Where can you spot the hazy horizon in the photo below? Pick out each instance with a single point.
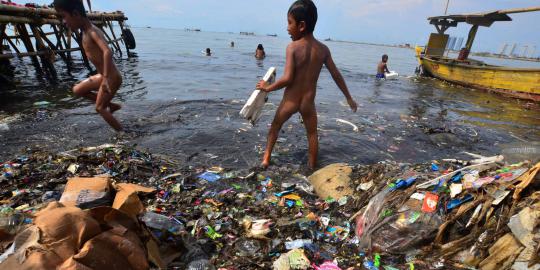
(370, 21)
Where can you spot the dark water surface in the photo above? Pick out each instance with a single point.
(181, 103)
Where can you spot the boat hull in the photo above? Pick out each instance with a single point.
(517, 82)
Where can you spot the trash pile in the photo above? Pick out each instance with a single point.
(116, 207)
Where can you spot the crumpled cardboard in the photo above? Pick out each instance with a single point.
(87, 192)
(71, 238)
(502, 254)
(127, 199)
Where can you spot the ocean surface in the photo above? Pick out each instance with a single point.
(179, 102)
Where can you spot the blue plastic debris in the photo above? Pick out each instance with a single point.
(210, 177)
(457, 202)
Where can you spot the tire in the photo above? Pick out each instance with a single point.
(129, 39)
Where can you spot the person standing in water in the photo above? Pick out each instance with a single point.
(382, 68)
(259, 52)
(108, 80)
(208, 52)
(305, 57)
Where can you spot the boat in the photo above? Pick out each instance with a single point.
(272, 35)
(517, 82)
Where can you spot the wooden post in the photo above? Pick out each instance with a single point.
(23, 34)
(114, 36)
(472, 35)
(47, 60)
(109, 39)
(57, 48)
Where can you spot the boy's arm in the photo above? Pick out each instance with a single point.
(386, 68)
(336, 75)
(107, 58)
(288, 74)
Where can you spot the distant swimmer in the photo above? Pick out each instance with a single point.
(304, 59)
(208, 52)
(382, 68)
(102, 87)
(232, 44)
(259, 52)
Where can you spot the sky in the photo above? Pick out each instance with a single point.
(375, 21)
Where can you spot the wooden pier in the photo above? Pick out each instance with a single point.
(40, 34)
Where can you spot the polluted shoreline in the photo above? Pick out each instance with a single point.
(132, 209)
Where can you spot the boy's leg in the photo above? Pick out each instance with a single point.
(283, 113)
(102, 103)
(309, 115)
(85, 88)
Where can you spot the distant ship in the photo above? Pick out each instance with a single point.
(193, 29)
(247, 33)
(328, 39)
(272, 35)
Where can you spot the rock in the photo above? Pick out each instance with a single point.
(332, 181)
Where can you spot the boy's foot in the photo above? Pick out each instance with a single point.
(265, 164)
(113, 107)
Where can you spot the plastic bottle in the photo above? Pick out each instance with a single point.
(161, 222)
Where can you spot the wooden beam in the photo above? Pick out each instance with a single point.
(47, 60)
(39, 20)
(56, 49)
(34, 12)
(114, 36)
(15, 55)
(518, 10)
(47, 34)
(23, 32)
(470, 38)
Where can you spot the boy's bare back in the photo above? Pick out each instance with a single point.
(308, 55)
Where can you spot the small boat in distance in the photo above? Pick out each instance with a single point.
(517, 82)
(193, 30)
(272, 35)
(247, 33)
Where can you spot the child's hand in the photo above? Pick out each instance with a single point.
(262, 85)
(352, 104)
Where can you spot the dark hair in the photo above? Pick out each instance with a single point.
(304, 10)
(384, 56)
(260, 47)
(70, 6)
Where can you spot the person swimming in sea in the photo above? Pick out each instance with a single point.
(382, 68)
(259, 52)
(208, 52)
